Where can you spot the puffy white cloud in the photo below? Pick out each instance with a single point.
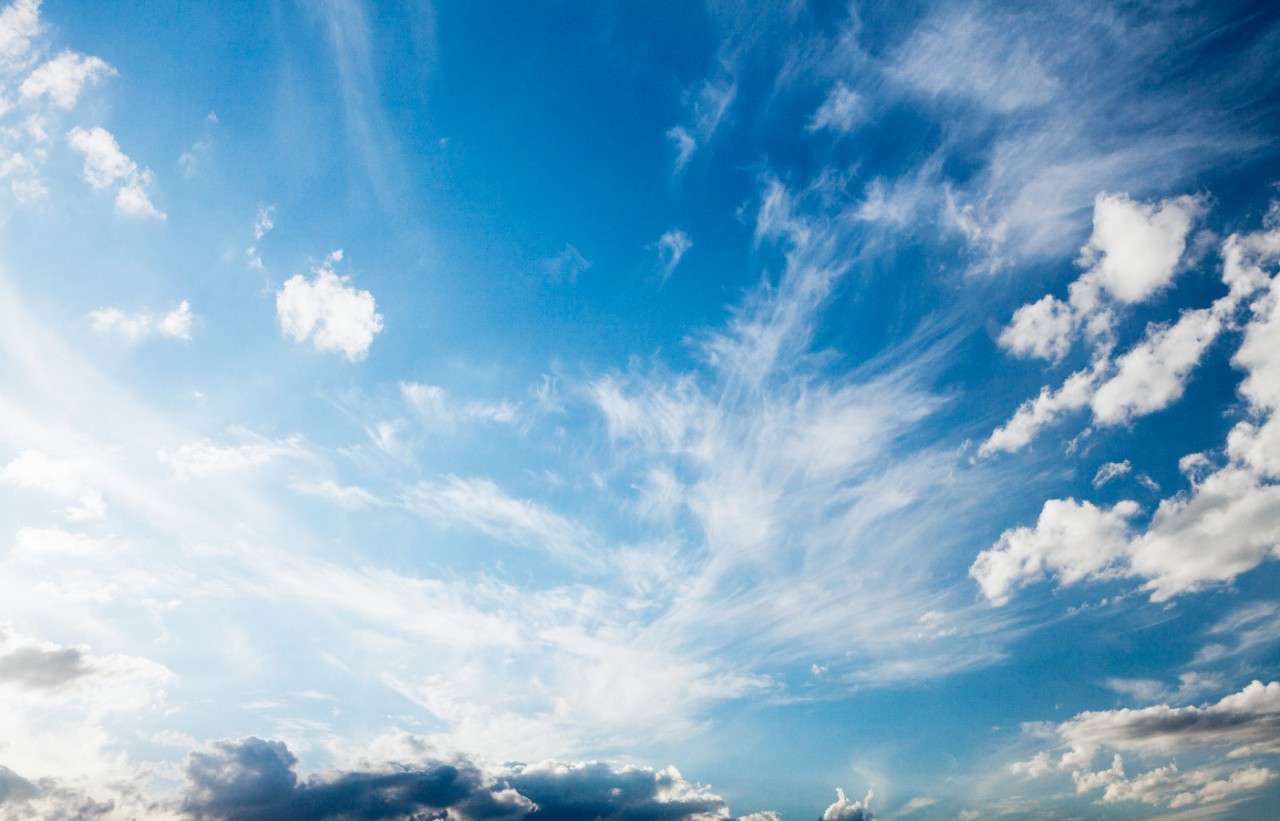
(329, 311)
(62, 78)
(845, 810)
(1044, 410)
(1132, 254)
(1230, 510)
(105, 165)
(1074, 540)
(1041, 329)
(1153, 374)
(19, 23)
(840, 112)
(176, 324)
(1135, 247)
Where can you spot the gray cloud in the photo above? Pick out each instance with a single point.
(255, 780)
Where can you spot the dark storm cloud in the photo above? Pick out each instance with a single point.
(254, 780)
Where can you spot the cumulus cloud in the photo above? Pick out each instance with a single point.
(62, 78)
(176, 324)
(1073, 540)
(330, 312)
(845, 810)
(1239, 725)
(256, 779)
(1131, 256)
(1148, 239)
(106, 165)
(1111, 470)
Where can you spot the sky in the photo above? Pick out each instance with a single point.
(640, 411)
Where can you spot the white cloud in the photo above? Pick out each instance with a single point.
(684, 144)
(1145, 690)
(1135, 247)
(1041, 329)
(60, 477)
(482, 505)
(62, 78)
(671, 248)
(958, 55)
(1153, 374)
(176, 324)
(1239, 725)
(105, 165)
(1109, 471)
(565, 266)
(19, 23)
(329, 311)
(1041, 412)
(265, 222)
(203, 458)
(433, 404)
(1074, 540)
(1131, 256)
(706, 109)
(845, 810)
(841, 111)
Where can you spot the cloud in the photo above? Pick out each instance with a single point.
(482, 505)
(333, 314)
(63, 478)
(1239, 725)
(845, 810)
(204, 459)
(106, 165)
(1131, 256)
(565, 266)
(176, 324)
(1152, 374)
(840, 112)
(264, 223)
(706, 110)
(253, 779)
(1073, 540)
(1111, 470)
(1150, 690)
(19, 23)
(671, 248)
(960, 55)
(433, 404)
(62, 78)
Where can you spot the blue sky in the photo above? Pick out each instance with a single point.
(681, 411)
